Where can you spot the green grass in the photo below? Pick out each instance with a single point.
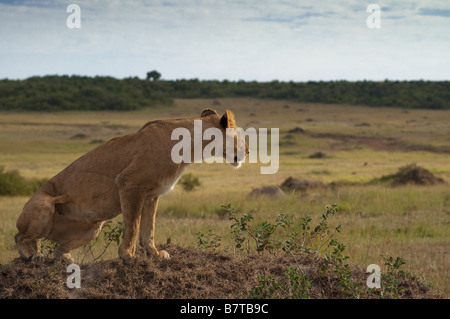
(407, 221)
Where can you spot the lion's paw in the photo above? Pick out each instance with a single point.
(162, 254)
(36, 258)
(65, 258)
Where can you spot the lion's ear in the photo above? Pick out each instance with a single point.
(208, 112)
(227, 120)
(61, 199)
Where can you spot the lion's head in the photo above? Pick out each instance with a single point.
(234, 147)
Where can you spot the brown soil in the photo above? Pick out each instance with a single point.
(191, 273)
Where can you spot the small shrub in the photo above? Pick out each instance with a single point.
(293, 285)
(239, 230)
(336, 261)
(313, 238)
(208, 240)
(189, 182)
(242, 231)
(110, 234)
(391, 279)
(310, 238)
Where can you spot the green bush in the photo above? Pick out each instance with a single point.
(208, 240)
(293, 285)
(14, 184)
(306, 237)
(189, 182)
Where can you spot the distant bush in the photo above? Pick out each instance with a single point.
(189, 182)
(13, 184)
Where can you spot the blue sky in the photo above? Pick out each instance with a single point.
(260, 40)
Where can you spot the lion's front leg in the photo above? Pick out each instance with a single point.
(147, 228)
(131, 202)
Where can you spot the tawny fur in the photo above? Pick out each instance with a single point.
(125, 175)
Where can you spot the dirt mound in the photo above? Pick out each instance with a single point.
(293, 184)
(191, 273)
(297, 129)
(79, 136)
(270, 191)
(411, 174)
(317, 155)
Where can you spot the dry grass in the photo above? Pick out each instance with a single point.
(360, 144)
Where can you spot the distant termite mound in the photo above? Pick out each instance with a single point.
(412, 174)
(293, 184)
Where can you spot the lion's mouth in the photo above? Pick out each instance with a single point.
(235, 162)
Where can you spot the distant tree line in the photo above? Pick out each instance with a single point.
(56, 93)
(53, 93)
(407, 94)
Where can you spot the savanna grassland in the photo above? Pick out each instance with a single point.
(358, 146)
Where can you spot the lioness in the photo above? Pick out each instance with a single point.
(125, 175)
